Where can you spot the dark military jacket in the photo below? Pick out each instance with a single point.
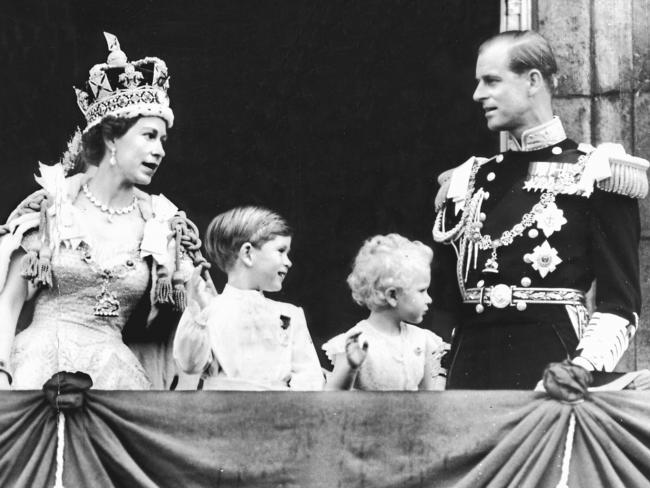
(563, 247)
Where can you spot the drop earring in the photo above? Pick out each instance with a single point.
(112, 161)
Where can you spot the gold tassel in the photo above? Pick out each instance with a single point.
(178, 283)
(180, 300)
(163, 293)
(29, 265)
(37, 263)
(628, 177)
(44, 277)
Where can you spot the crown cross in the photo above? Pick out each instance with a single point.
(130, 78)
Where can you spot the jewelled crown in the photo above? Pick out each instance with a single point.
(125, 88)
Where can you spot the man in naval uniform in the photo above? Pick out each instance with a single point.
(522, 236)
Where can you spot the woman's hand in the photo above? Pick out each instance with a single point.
(199, 290)
(355, 353)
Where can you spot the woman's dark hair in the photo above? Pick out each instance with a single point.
(92, 142)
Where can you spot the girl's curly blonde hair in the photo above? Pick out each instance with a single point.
(386, 261)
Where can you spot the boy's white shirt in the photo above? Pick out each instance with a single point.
(240, 337)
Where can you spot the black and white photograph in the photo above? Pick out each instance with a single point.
(309, 243)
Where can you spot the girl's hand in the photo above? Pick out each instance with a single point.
(355, 353)
(199, 290)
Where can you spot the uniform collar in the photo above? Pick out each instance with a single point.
(547, 134)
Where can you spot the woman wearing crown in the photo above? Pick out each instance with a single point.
(100, 252)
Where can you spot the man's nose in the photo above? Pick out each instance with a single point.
(479, 92)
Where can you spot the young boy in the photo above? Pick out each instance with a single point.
(240, 339)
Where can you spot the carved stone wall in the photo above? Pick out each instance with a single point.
(603, 52)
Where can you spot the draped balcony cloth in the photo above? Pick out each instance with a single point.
(334, 439)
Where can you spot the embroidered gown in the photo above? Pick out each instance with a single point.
(77, 323)
(66, 335)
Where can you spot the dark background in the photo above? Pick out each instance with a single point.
(337, 114)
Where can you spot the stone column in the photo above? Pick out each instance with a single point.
(603, 95)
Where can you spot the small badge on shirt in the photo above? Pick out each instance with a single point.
(286, 322)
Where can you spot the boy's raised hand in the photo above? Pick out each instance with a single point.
(355, 353)
(200, 290)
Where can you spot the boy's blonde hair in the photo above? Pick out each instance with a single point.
(384, 262)
(228, 231)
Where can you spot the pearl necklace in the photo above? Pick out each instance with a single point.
(105, 208)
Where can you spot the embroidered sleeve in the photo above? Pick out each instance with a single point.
(615, 235)
(605, 339)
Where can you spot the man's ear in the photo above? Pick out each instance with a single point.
(246, 253)
(390, 295)
(535, 81)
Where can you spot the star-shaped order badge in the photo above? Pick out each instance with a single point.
(544, 259)
(550, 220)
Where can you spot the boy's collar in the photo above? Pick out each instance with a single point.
(232, 290)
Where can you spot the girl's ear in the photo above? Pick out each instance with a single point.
(246, 254)
(390, 294)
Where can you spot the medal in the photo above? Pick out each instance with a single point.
(544, 259)
(550, 220)
(491, 263)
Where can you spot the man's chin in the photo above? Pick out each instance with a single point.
(494, 126)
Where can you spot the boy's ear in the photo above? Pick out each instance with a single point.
(246, 253)
(390, 294)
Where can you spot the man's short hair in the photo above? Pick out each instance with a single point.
(528, 50)
(229, 231)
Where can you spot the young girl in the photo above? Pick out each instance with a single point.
(390, 277)
(241, 339)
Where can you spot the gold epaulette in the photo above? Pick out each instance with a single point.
(628, 176)
(456, 180)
